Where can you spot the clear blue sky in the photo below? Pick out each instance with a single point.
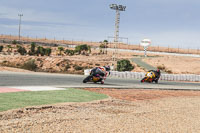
(174, 23)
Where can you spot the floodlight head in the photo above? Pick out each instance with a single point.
(121, 8)
(113, 6)
(20, 14)
(117, 7)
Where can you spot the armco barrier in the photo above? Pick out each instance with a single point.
(140, 75)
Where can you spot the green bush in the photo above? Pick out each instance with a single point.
(84, 47)
(1, 48)
(33, 47)
(21, 50)
(69, 52)
(103, 45)
(60, 49)
(124, 65)
(14, 42)
(9, 48)
(89, 49)
(40, 51)
(78, 49)
(32, 50)
(30, 65)
(47, 51)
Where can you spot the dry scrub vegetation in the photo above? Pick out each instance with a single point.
(61, 59)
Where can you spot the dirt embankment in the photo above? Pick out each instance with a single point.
(127, 111)
(64, 63)
(46, 64)
(176, 64)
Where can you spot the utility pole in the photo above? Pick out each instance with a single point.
(20, 16)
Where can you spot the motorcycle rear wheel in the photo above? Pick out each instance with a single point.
(87, 79)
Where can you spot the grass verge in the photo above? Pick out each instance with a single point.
(23, 99)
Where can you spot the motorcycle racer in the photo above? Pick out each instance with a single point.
(101, 72)
(98, 74)
(157, 75)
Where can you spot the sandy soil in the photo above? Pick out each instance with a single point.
(11, 69)
(126, 111)
(176, 64)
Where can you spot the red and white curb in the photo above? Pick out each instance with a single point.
(28, 88)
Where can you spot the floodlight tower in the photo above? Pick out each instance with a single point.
(118, 8)
(20, 16)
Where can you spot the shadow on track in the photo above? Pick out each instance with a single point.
(111, 84)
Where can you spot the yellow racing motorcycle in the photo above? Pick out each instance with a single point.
(149, 77)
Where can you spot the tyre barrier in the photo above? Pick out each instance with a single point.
(140, 75)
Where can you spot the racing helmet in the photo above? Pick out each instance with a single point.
(107, 68)
(158, 71)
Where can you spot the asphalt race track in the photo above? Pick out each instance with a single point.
(9, 79)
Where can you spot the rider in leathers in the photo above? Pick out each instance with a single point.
(157, 75)
(101, 72)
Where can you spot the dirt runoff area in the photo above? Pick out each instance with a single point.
(125, 111)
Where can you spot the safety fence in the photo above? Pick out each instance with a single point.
(140, 75)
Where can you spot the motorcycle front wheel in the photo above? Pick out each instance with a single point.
(142, 81)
